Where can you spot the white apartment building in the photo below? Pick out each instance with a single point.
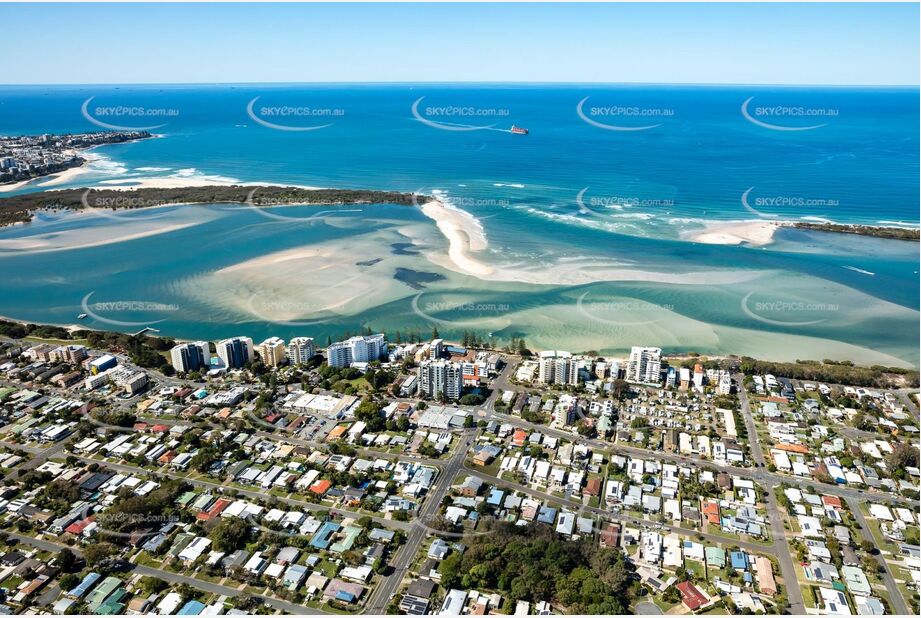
(440, 376)
(272, 351)
(72, 354)
(191, 356)
(360, 349)
(235, 352)
(557, 367)
(645, 365)
(301, 350)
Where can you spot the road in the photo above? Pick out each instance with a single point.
(220, 488)
(628, 519)
(781, 548)
(759, 474)
(388, 586)
(173, 578)
(900, 607)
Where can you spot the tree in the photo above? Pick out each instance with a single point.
(230, 534)
(203, 459)
(66, 560)
(902, 456)
(68, 582)
(619, 388)
(98, 552)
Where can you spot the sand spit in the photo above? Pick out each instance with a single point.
(753, 233)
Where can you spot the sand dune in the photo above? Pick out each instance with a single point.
(755, 233)
(466, 237)
(464, 234)
(84, 238)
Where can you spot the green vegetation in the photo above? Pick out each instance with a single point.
(837, 373)
(897, 233)
(531, 563)
(131, 512)
(19, 208)
(230, 534)
(144, 351)
(902, 456)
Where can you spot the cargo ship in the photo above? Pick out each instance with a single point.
(519, 130)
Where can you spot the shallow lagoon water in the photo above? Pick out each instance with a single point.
(201, 272)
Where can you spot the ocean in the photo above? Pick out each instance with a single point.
(591, 222)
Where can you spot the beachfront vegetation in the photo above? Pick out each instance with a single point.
(896, 233)
(19, 208)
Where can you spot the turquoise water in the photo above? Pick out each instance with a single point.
(570, 197)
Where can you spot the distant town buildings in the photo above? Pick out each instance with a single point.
(30, 156)
(360, 349)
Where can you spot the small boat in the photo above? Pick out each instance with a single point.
(519, 130)
(81, 316)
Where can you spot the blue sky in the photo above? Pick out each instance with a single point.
(847, 44)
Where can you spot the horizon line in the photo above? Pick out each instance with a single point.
(471, 82)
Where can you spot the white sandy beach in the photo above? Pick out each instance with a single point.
(284, 285)
(754, 233)
(178, 181)
(70, 174)
(15, 186)
(63, 242)
(464, 236)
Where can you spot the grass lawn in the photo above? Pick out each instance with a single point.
(717, 610)
(734, 538)
(696, 568)
(492, 469)
(57, 341)
(145, 559)
(882, 542)
(662, 603)
(327, 568)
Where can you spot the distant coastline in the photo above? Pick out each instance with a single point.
(21, 208)
(27, 158)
